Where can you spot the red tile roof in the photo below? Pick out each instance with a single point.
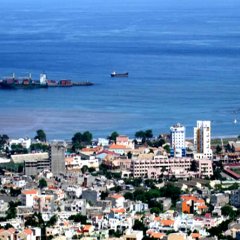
(30, 191)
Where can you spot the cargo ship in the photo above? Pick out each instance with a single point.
(13, 82)
(114, 74)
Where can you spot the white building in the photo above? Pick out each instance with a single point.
(202, 140)
(79, 205)
(76, 162)
(133, 235)
(125, 141)
(153, 167)
(103, 142)
(177, 140)
(205, 167)
(27, 197)
(19, 183)
(25, 142)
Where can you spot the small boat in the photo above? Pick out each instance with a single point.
(235, 121)
(114, 74)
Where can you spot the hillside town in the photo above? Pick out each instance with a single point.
(148, 187)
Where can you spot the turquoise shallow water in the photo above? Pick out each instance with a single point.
(182, 59)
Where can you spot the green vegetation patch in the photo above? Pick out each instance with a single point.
(236, 170)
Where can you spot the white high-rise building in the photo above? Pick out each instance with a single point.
(177, 140)
(202, 140)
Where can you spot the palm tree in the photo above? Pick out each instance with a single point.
(36, 220)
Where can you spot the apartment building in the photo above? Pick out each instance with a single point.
(140, 168)
(202, 140)
(177, 133)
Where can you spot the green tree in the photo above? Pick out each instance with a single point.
(52, 221)
(217, 231)
(140, 134)
(39, 147)
(14, 192)
(153, 193)
(77, 141)
(149, 133)
(218, 149)
(194, 166)
(41, 135)
(12, 211)
(42, 183)
(116, 234)
(78, 218)
(103, 195)
(3, 140)
(167, 148)
(161, 142)
(171, 191)
(36, 220)
(234, 186)
(139, 225)
(91, 169)
(116, 189)
(18, 149)
(144, 135)
(227, 210)
(228, 148)
(84, 169)
(129, 155)
(113, 136)
(150, 183)
(87, 137)
(7, 226)
(129, 195)
(155, 210)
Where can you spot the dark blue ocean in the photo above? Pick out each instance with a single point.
(183, 59)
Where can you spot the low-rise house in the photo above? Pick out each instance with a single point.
(125, 141)
(23, 211)
(219, 199)
(27, 197)
(44, 204)
(106, 205)
(118, 213)
(77, 162)
(177, 236)
(8, 234)
(133, 235)
(91, 150)
(79, 206)
(233, 229)
(18, 182)
(103, 142)
(90, 195)
(119, 149)
(235, 198)
(166, 225)
(106, 155)
(205, 167)
(166, 203)
(3, 208)
(192, 204)
(138, 206)
(117, 200)
(73, 191)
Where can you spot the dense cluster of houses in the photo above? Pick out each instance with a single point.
(84, 194)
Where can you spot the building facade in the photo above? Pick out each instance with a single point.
(202, 140)
(177, 133)
(57, 157)
(141, 168)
